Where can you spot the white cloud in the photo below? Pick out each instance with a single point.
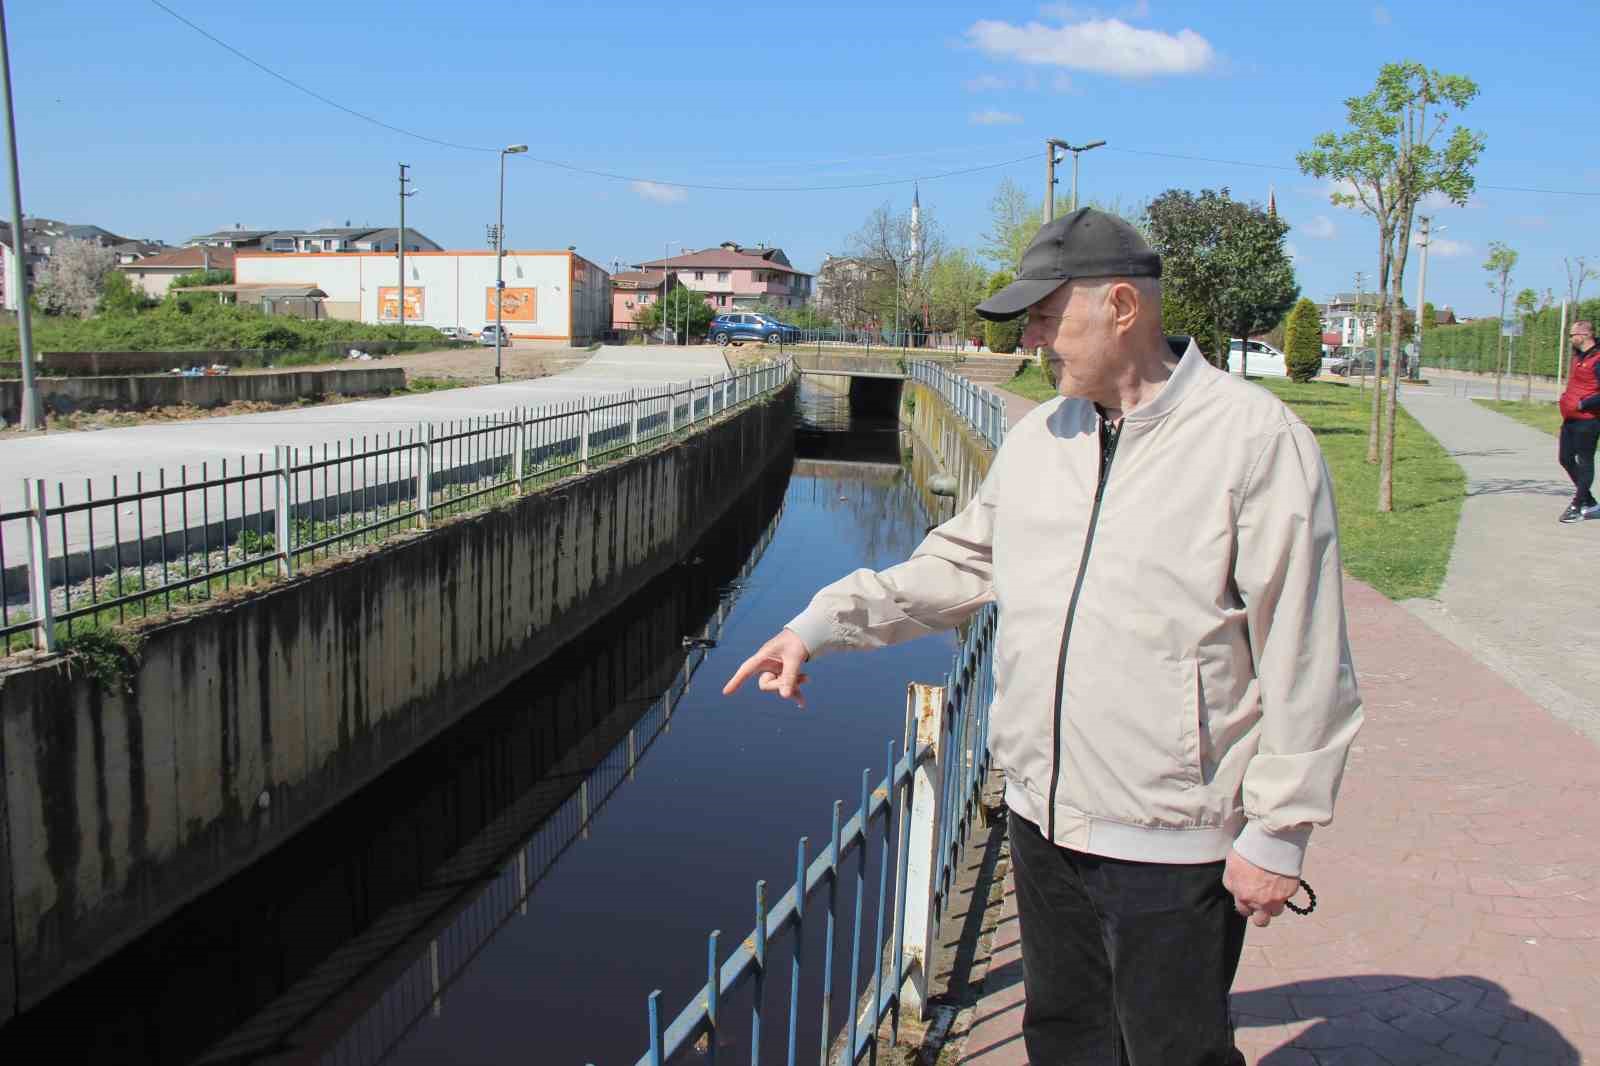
(1062, 84)
(994, 118)
(1321, 228)
(661, 194)
(1381, 16)
(1103, 46)
(1443, 246)
(988, 83)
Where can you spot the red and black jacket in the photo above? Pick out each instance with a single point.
(1581, 398)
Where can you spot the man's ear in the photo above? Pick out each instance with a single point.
(1124, 299)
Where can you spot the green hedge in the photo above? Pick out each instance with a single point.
(198, 322)
(1472, 346)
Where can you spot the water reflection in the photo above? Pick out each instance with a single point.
(475, 906)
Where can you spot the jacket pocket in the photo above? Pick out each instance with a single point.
(1189, 725)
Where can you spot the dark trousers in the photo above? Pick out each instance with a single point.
(1576, 453)
(1124, 963)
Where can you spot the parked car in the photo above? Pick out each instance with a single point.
(455, 333)
(736, 328)
(1360, 362)
(486, 338)
(1260, 359)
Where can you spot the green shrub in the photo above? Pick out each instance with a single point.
(1003, 337)
(1302, 339)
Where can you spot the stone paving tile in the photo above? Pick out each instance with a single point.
(1459, 888)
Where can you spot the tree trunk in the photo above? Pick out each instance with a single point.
(1386, 463)
(1375, 422)
(1499, 337)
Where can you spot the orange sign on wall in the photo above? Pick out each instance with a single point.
(389, 303)
(522, 305)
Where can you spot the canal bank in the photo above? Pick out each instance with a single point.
(511, 892)
(129, 793)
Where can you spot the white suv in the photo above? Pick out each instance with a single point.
(1260, 359)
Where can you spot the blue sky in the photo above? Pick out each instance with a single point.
(131, 120)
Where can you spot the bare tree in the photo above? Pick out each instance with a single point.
(1578, 271)
(1501, 262)
(71, 279)
(888, 245)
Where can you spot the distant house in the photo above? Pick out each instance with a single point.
(634, 290)
(1444, 316)
(326, 239)
(42, 236)
(153, 274)
(1353, 316)
(732, 276)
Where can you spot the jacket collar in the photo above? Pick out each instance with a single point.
(1189, 376)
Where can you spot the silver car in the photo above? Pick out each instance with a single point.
(486, 338)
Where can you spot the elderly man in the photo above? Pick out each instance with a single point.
(1174, 692)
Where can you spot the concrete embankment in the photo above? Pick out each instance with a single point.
(142, 392)
(239, 726)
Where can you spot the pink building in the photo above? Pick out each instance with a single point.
(633, 290)
(731, 276)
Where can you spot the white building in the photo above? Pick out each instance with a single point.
(549, 296)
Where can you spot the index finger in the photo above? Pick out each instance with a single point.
(755, 663)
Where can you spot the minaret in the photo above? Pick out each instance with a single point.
(916, 229)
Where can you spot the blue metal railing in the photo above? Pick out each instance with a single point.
(949, 797)
(978, 406)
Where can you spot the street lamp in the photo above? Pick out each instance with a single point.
(1075, 149)
(500, 253)
(666, 253)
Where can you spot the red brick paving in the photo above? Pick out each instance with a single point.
(1459, 886)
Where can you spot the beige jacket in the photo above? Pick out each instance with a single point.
(1172, 673)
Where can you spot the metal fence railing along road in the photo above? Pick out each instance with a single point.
(920, 812)
(979, 407)
(84, 560)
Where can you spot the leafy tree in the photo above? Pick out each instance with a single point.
(1501, 262)
(1224, 262)
(1003, 337)
(1302, 339)
(1388, 159)
(682, 305)
(956, 285)
(1013, 222)
(119, 297)
(71, 279)
(899, 265)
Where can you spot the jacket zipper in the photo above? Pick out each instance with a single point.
(1109, 435)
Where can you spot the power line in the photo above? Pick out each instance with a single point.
(558, 164)
(574, 168)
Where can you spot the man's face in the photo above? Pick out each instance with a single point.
(1582, 338)
(1074, 325)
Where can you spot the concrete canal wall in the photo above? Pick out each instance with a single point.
(949, 446)
(241, 725)
(142, 392)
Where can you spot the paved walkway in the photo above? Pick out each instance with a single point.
(71, 457)
(1459, 887)
(1513, 595)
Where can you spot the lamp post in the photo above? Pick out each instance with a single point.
(666, 253)
(1075, 149)
(500, 253)
(1428, 230)
(31, 415)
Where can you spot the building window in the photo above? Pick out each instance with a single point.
(757, 276)
(722, 275)
(722, 301)
(699, 275)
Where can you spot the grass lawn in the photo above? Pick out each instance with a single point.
(1402, 554)
(1539, 414)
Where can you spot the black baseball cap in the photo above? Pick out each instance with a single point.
(1084, 244)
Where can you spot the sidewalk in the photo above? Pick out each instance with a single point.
(1459, 887)
(1514, 596)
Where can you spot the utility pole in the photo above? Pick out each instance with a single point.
(1562, 344)
(400, 245)
(1422, 289)
(1075, 149)
(31, 415)
(1050, 161)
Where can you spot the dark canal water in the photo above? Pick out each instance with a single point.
(514, 891)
